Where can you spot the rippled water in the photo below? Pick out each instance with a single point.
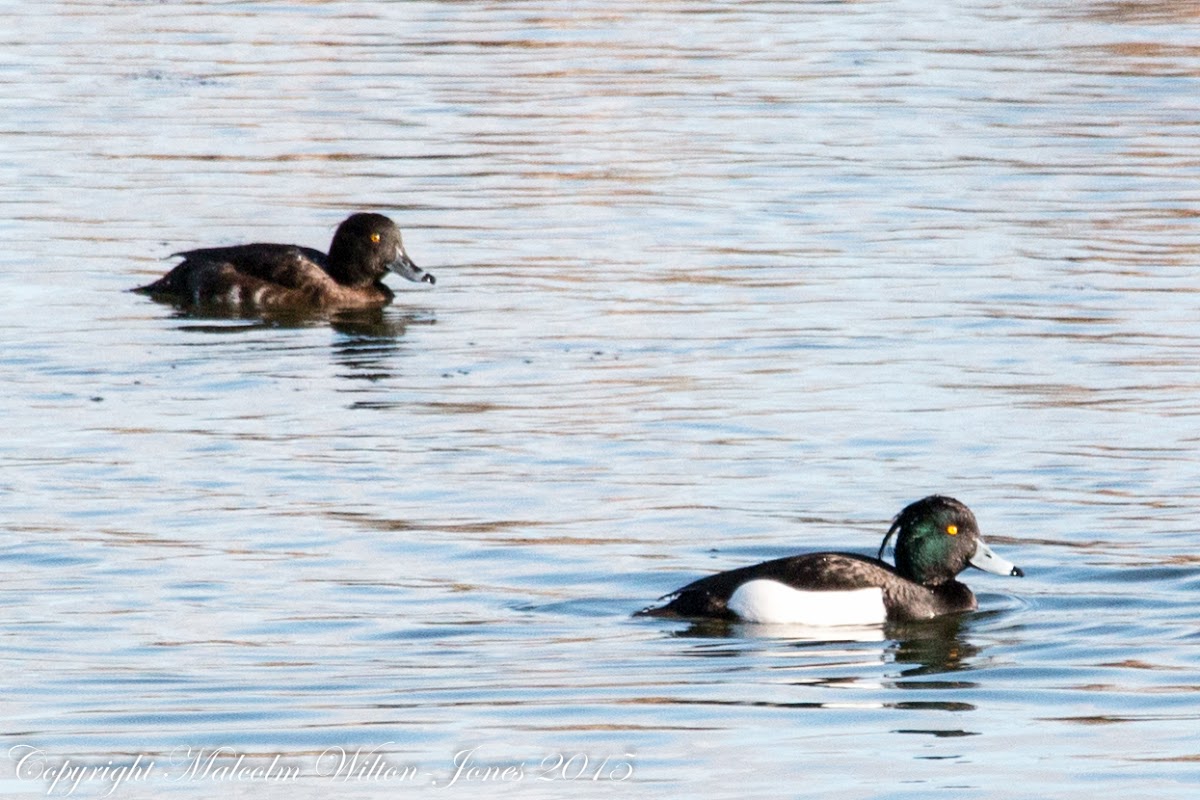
(718, 282)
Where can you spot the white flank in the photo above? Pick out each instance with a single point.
(771, 602)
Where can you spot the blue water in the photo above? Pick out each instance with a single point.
(717, 282)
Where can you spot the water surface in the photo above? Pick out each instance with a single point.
(718, 282)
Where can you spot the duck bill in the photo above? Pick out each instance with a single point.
(405, 268)
(988, 561)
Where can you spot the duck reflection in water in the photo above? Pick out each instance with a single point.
(931, 646)
(369, 342)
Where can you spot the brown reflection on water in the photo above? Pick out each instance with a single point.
(1148, 12)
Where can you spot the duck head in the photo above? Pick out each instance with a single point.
(936, 538)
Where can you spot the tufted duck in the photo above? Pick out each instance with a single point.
(364, 249)
(938, 538)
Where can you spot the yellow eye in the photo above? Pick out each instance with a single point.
(375, 238)
(952, 530)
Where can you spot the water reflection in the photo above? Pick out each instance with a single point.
(932, 647)
(367, 323)
(720, 628)
(222, 320)
(369, 343)
(940, 733)
(366, 344)
(377, 324)
(1146, 12)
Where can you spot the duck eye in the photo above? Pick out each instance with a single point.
(952, 530)
(375, 238)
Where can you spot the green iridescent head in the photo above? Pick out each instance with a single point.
(937, 538)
